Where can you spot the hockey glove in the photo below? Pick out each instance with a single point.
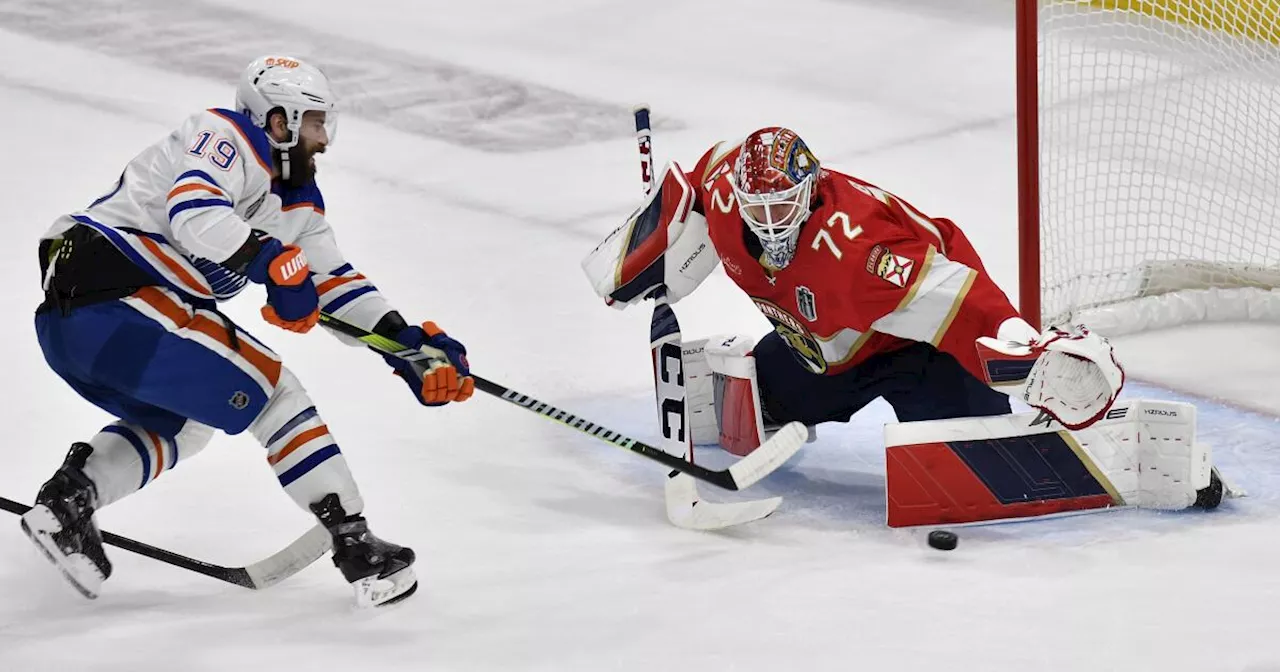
(441, 382)
(1070, 374)
(292, 302)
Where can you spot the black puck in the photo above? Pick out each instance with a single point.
(943, 540)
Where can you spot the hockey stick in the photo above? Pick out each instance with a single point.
(685, 508)
(262, 574)
(742, 474)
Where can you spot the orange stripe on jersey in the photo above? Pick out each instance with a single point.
(173, 266)
(298, 442)
(166, 306)
(331, 283)
(155, 441)
(269, 367)
(195, 187)
(304, 204)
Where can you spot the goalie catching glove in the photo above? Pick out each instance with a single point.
(1071, 374)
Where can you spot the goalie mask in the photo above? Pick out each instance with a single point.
(774, 180)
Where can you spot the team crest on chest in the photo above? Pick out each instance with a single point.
(805, 302)
(803, 344)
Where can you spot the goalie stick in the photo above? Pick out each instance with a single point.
(741, 474)
(685, 508)
(262, 574)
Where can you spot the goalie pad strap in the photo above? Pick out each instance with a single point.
(736, 393)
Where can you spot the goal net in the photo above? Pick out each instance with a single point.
(1156, 140)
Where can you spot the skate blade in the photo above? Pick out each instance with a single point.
(372, 591)
(40, 525)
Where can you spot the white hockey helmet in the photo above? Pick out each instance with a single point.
(290, 84)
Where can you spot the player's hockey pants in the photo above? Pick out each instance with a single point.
(919, 381)
(173, 372)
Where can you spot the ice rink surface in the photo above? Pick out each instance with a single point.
(486, 149)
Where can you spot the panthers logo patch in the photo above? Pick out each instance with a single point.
(802, 342)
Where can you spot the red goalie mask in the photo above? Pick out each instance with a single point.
(774, 180)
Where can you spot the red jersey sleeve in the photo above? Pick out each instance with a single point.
(713, 163)
(914, 291)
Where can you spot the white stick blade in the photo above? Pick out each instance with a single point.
(770, 455)
(291, 559)
(685, 509)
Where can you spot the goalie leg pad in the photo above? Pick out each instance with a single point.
(1141, 454)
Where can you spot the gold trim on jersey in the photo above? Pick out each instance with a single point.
(921, 274)
(819, 352)
(834, 342)
(955, 308)
(922, 220)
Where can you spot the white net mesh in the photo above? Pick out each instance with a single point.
(1159, 150)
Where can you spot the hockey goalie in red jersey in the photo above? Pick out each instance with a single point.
(868, 296)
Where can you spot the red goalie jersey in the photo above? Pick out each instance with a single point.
(870, 272)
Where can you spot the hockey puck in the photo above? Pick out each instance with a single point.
(943, 540)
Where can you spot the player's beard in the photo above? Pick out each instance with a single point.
(301, 168)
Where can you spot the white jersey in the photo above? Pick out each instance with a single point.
(188, 202)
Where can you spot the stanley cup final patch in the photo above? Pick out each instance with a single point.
(805, 303)
(895, 269)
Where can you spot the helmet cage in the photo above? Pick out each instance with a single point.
(775, 218)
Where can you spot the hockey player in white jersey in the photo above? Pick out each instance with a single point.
(130, 321)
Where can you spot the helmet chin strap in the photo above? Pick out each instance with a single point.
(284, 164)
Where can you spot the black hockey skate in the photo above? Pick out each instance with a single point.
(61, 524)
(381, 572)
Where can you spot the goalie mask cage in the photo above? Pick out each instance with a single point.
(1148, 161)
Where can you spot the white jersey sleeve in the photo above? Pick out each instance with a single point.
(188, 202)
(344, 291)
(221, 170)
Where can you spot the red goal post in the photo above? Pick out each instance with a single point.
(1149, 161)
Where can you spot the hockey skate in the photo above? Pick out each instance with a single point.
(380, 572)
(61, 524)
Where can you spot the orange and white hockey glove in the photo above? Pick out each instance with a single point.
(441, 382)
(292, 302)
